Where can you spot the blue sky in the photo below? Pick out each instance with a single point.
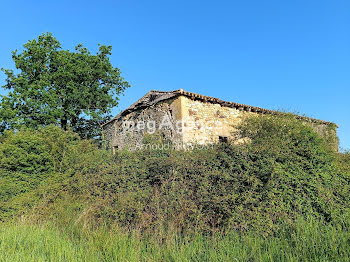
(290, 55)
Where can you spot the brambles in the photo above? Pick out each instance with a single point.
(280, 191)
(286, 172)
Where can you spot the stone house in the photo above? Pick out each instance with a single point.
(184, 118)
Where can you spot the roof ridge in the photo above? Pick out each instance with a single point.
(246, 107)
(140, 103)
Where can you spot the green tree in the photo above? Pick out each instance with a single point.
(73, 89)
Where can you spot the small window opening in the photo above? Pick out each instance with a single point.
(223, 139)
(115, 149)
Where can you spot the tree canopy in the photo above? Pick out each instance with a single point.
(73, 89)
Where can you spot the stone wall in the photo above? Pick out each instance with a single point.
(329, 133)
(203, 113)
(211, 121)
(108, 134)
(128, 131)
(202, 123)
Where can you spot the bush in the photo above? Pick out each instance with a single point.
(287, 171)
(31, 158)
(343, 163)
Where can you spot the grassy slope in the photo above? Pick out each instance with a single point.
(306, 242)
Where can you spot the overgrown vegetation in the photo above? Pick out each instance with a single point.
(306, 241)
(72, 89)
(286, 190)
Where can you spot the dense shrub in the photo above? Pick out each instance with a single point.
(286, 172)
(304, 178)
(24, 152)
(30, 158)
(164, 205)
(343, 162)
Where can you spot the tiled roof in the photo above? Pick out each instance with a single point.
(155, 96)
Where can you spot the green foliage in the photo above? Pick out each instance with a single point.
(55, 86)
(31, 159)
(301, 175)
(343, 162)
(284, 196)
(286, 172)
(309, 240)
(24, 152)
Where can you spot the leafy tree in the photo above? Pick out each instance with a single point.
(73, 89)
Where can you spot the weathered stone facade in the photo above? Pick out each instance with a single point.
(183, 118)
(212, 121)
(127, 131)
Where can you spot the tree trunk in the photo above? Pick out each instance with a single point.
(64, 124)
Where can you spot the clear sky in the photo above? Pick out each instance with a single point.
(290, 55)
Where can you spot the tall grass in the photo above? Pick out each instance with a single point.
(306, 241)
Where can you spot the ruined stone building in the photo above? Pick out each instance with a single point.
(182, 118)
